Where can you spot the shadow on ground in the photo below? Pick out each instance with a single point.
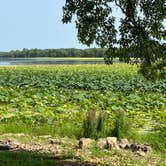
(23, 158)
(73, 163)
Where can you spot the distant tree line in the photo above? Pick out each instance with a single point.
(69, 52)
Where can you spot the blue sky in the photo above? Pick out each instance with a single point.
(35, 24)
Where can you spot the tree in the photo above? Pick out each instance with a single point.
(141, 31)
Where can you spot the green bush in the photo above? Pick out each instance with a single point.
(93, 125)
(122, 125)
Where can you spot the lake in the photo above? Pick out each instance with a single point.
(48, 60)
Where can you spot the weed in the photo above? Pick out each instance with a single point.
(122, 126)
(93, 124)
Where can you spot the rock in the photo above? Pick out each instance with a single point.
(127, 147)
(52, 141)
(141, 153)
(134, 147)
(13, 135)
(140, 147)
(60, 141)
(101, 143)
(112, 140)
(20, 135)
(5, 147)
(85, 143)
(45, 136)
(145, 148)
(124, 144)
(112, 143)
(149, 148)
(15, 143)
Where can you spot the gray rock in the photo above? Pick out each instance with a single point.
(101, 143)
(140, 147)
(52, 141)
(85, 143)
(145, 148)
(45, 136)
(124, 143)
(13, 134)
(112, 143)
(141, 153)
(134, 147)
(127, 147)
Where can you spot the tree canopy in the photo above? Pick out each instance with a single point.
(141, 31)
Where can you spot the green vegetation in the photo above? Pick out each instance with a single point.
(82, 101)
(2, 54)
(93, 125)
(68, 52)
(55, 99)
(24, 159)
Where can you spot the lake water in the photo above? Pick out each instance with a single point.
(47, 61)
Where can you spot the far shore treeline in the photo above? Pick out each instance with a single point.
(69, 52)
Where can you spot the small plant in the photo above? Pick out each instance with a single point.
(89, 124)
(93, 125)
(121, 125)
(100, 122)
(100, 130)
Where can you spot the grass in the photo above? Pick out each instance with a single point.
(98, 157)
(24, 159)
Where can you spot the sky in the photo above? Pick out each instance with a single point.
(35, 24)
